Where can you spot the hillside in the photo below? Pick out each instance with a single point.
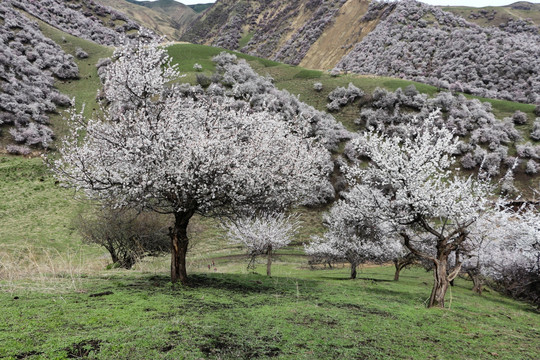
(369, 38)
(499, 16)
(54, 68)
(199, 8)
(82, 18)
(292, 32)
(166, 17)
(60, 299)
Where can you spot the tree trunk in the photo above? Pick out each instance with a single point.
(269, 261)
(440, 284)
(402, 263)
(477, 281)
(353, 270)
(179, 247)
(398, 269)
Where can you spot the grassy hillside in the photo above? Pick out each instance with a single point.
(59, 301)
(199, 8)
(85, 89)
(166, 18)
(266, 28)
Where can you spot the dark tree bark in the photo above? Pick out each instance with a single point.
(353, 270)
(269, 261)
(402, 263)
(475, 276)
(441, 274)
(179, 246)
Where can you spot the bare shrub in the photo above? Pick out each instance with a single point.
(127, 235)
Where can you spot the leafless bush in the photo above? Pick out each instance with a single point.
(127, 235)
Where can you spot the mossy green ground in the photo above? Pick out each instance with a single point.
(47, 277)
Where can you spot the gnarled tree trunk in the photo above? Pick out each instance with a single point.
(440, 284)
(441, 276)
(442, 280)
(179, 247)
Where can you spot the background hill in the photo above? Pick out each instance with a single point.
(323, 34)
(499, 15)
(161, 15)
(298, 32)
(165, 18)
(198, 8)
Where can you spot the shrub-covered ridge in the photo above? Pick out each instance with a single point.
(424, 43)
(29, 64)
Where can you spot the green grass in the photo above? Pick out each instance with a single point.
(85, 89)
(229, 312)
(35, 211)
(187, 55)
(297, 314)
(308, 74)
(245, 39)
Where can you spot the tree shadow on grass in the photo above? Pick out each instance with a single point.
(236, 283)
(347, 278)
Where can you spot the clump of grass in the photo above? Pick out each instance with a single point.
(25, 267)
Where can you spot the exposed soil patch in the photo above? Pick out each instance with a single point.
(362, 309)
(228, 346)
(26, 355)
(83, 349)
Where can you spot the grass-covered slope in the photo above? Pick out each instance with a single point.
(84, 89)
(315, 32)
(82, 18)
(199, 8)
(299, 81)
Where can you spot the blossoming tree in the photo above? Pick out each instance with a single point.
(409, 183)
(354, 237)
(152, 148)
(263, 234)
(504, 248)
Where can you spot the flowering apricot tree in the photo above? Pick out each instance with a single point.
(409, 183)
(154, 149)
(354, 237)
(263, 234)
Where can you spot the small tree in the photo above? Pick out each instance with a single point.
(409, 183)
(153, 149)
(263, 235)
(354, 237)
(519, 118)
